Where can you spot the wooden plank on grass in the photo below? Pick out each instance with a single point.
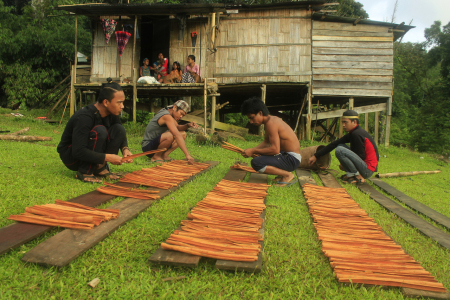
(67, 245)
(429, 230)
(414, 204)
(329, 180)
(176, 258)
(252, 266)
(413, 293)
(304, 176)
(17, 234)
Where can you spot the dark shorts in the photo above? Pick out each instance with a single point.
(283, 161)
(152, 145)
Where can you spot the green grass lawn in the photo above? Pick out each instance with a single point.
(293, 266)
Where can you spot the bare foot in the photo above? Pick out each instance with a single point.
(88, 178)
(156, 158)
(362, 180)
(286, 179)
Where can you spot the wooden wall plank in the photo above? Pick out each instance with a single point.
(353, 71)
(340, 44)
(354, 51)
(351, 92)
(350, 33)
(353, 85)
(349, 27)
(359, 109)
(363, 78)
(352, 38)
(371, 58)
(353, 64)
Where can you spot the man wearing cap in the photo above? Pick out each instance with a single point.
(360, 160)
(163, 131)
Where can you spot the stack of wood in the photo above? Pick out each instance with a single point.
(121, 191)
(234, 148)
(66, 214)
(165, 176)
(358, 249)
(224, 225)
(243, 168)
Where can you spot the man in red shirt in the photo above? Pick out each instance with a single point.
(360, 160)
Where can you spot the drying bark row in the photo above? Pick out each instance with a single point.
(357, 247)
(66, 214)
(165, 176)
(117, 190)
(225, 224)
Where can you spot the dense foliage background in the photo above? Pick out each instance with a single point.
(36, 51)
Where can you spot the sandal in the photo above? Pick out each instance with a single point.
(354, 180)
(344, 178)
(83, 177)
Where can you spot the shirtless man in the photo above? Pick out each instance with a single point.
(279, 154)
(163, 131)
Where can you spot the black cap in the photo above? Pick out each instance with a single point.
(350, 114)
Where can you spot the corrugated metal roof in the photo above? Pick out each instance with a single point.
(104, 9)
(332, 18)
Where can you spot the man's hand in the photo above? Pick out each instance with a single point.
(114, 159)
(190, 159)
(248, 152)
(192, 124)
(127, 153)
(312, 160)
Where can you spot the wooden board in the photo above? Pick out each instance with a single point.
(304, 176)
(413, 293)
(353, 51)
(369, 58)
(351, 92)
(254, 266)
(67, 245)
(17, 234)
(176, 258)
(429, 230)
(329, 180)
(351, 71)
(414, 204)
(219, 125)
(353, 85)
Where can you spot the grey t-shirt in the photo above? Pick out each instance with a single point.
(153, 128)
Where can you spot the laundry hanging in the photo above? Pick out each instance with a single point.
(109, 25)
(122, 38)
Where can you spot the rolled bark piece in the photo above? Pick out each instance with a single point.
(399, 174)
(20, 131)
(143, 153)
(24, 138)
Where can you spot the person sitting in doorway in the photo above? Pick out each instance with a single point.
(360, 160)
(94, 135)
(279, 153)
(145, 69)
(161, 67)
(163, 131)
(175, 75)
(191, 72)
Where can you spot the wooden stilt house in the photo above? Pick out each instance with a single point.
(294, 55)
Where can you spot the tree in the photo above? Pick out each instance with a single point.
(351, 9)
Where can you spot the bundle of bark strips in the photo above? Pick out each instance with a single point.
(243, 168)
(66, 214)
(234, 148)
(121, 191)
(165, 176)
(225, 224)
(358, 249)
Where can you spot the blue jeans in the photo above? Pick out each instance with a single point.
(352, 163)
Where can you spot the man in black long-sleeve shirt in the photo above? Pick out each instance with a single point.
(94, 135)
(360, 160)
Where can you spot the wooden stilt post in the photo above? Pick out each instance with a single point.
(308, 116)
(72, 91)
(134, 94)
(133, 56)
(366, 122)
(213, 114)
(263, 98)
(205, 96)
(351, 103)
(76, 51)
(326, 134)
(388, 121)
(377, 126)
